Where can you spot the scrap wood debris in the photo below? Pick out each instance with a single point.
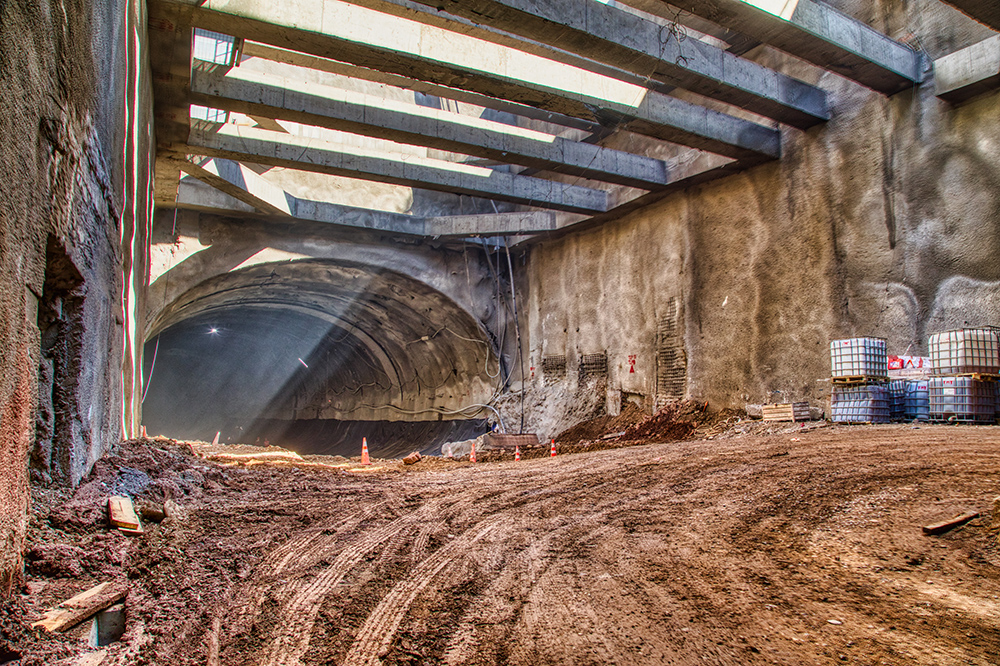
(84, 605)
(946, 525)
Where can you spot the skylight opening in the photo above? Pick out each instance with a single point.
(782, 8)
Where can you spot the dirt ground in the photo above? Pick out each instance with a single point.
(762, 545)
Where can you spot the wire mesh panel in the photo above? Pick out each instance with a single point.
(859, 357)
(918, 401)
(594, 365)
(553, 368)
(967, 350)
(861, 404)
(671, 359)
(962, 399)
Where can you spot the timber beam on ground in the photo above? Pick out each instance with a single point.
(986, 12)
(245, 144)
(629, 43)
(245, 186)
(815, 32)
(361, 114)
(313, 29)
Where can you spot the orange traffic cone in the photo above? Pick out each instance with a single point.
(472, 456)
(365, 460)
(143, 432)
(517, 453)
(553, 454)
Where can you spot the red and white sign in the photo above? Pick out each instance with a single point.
(909, 366)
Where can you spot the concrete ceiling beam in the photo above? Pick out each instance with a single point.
(430, 128)
(815, 32)
(309, 61)
(248, 187)
(316, 28)
(274, 149)
(170, 43)
(630, 43)
(969, 72)
(986, 12)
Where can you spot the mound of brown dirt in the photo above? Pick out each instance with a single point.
(601, 426)
(676, 421)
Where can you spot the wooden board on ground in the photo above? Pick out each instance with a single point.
(939, 528)
(509, 442)
(122, 515)
(791, 411)
(74, 611)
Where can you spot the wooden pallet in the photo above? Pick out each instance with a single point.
(789, 411)
(497, 440)
(979, 376)
(859, 379)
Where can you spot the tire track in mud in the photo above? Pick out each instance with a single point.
(620, 559)
(292, 641)
(378, 629)
(308, 547)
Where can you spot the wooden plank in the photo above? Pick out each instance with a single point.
(942, 527)
(74, 611)
(122, 515)
(509, 442)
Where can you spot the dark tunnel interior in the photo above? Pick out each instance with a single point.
(246, 371)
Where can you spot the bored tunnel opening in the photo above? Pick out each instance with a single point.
(292, 378)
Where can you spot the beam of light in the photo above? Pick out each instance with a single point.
(782, 8)
(303, 363)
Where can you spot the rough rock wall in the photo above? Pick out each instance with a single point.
(882, 222)
(63, 190)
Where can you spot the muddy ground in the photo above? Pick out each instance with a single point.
(795, 546)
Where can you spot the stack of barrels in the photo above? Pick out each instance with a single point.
(965, 366)
(861, 391)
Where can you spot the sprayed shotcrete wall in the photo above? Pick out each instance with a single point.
(74, 118)
(885, 221)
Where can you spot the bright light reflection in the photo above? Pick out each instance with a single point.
(783, 8)
(366, 26)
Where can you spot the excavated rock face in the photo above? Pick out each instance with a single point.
(884, 221)
(62, 179)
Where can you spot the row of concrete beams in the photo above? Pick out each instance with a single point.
(814, 32)
(245, 185)
(630, 44)
(257, 146)
(275, 97)
(253, 49)
(316, 26)
(984, 11)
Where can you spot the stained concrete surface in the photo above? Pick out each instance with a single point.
(64, 91)
(882, 222)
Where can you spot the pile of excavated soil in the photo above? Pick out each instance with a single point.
(602, 425)
(799, 546)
